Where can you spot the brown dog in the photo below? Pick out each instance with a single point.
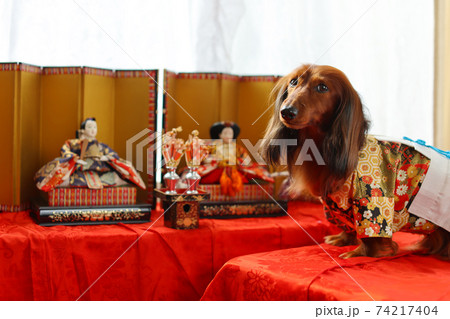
(367, 185)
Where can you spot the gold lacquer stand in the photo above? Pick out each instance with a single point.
(181, 209)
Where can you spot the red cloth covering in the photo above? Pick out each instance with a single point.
(309, 273)
(62, 262)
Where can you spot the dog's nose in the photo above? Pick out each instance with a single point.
(289, 112)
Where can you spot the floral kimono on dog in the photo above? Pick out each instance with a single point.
(374, 200)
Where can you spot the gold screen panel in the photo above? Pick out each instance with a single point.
(98, 101)
(198, 99)
(254, 109)
(170, 107)
(135, 105)
(30, 92)
(229, 98)
(8, 76)
(61, 109)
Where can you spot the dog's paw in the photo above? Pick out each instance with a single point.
(334, 240)
(373, 247)
(352, 253)
(342, 239)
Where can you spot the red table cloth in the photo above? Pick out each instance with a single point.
(108, 262)
(315, 273)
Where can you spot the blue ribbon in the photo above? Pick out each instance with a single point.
(423, 143)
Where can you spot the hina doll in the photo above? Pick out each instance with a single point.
(86, 162)
(230, 164)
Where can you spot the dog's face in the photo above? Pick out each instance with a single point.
(311, 95)
(318, 102)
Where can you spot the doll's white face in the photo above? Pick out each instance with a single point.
(227, 134)
(90, 129)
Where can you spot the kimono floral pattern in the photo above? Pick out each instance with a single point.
(375, 199)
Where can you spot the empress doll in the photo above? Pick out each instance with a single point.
(85, 162)
(230, 164)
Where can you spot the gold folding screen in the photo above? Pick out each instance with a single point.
(40, 108)
(197, 100)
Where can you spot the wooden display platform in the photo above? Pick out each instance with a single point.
(46, 215)
(243, 209)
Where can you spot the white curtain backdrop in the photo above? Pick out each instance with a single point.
(385, 47)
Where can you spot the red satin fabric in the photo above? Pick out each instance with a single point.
(62, 262)
(309, 273)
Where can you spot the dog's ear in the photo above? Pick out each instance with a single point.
(280, 92)
(276, 129)
(346, 136)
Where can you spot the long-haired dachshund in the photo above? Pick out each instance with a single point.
(367, 184)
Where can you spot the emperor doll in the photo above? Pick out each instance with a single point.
(86, 162)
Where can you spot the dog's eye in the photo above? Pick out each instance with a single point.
(322, 88)
(293, 82)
